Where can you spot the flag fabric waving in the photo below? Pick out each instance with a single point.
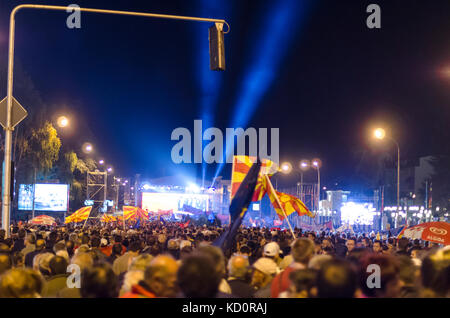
(239, 205)
(241, 167)
(79, 215)
(108, 218)
(134, 213)
(286, 204)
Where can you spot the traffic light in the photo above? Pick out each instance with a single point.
(216, 48)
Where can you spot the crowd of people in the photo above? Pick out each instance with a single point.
(168, 260)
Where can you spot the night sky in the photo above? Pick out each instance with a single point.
(315, 70)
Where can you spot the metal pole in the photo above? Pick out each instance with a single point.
(6, 185)
(301, 186)
(318, 187)
(279, 204)
(398, 182)
(6, 202)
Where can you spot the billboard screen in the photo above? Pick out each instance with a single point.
(174, 201)
(47, 197)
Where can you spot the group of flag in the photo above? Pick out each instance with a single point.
(79, 215)
(283, 203)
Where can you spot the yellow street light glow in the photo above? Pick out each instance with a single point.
(63, 121)
(379, 133)
(286, 167)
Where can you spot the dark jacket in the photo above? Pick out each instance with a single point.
(30, 256)
(241, 288)
(18, 245)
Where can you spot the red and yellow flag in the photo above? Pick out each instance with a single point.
(108, 218)
(79, 215)
(242, 165)
(286, 204)
(134, 213)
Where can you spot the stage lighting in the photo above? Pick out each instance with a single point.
(216, 48)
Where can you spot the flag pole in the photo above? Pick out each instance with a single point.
(278, 201)
(87, 218)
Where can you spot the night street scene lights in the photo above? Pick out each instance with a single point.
(380, 134)
(87, 148)
(62, 121)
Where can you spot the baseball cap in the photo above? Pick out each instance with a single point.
(271, 249)
(266, 266)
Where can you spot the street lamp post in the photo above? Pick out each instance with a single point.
(381, 134)
(6, 202)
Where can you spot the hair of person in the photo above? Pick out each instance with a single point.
(197, 277)
(389, 271)
(238, 266)
(140, 262)
(99, 281)
(302, 250)
(336, 279)
(303, 279)
(58, 265)
(21, 283)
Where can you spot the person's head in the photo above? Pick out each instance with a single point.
(303, 283)
(58, 265)
(351, 244)
(21, 283)
(185, 252)
(326, 242)
(402, 244)
(416, 252)
(312, 236)
(435, 272)
(140, 262)
(317, 261)
(366, 242)
(69, 247)
(85, 239)
(83, 260)
(238, 267)
(336, 279)
(271, 250)
(60, 246)
(40, 245)
(5, 263)
(407, 270)
(382, 268)
(18, 259)
(95, 242)
(302, 250)
(161, 276)
(377, 247)
(131, 278)
(198, 277)
(135, 247)
(99, 281)
(217, 257)
(264, 270)
(116, 249)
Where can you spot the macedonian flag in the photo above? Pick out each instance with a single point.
(79, 215)
(242, 165)
(286, 204)
(108, 218)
